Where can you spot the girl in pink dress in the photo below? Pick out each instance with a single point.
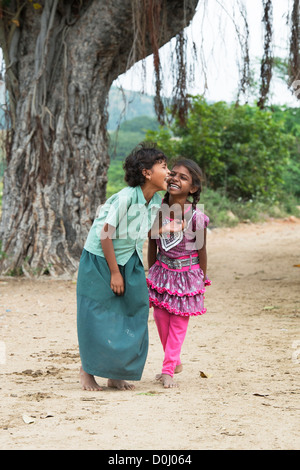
(177, 260)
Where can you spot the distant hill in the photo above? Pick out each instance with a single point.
(128, 105)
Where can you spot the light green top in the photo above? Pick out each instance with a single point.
(129, 212)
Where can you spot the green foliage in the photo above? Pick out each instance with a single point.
(291, 177)
(115, 176)
(250, 158)
(223, 211)
(291, 173)
(130, 134)
(122, 142)
(242, 150)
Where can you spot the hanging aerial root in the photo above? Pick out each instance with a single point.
(294, 59)
(267, 60)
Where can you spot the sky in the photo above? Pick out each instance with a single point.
(219, 52)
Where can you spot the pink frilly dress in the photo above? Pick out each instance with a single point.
(179, 290)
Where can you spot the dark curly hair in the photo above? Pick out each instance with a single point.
(144, 156)
(197, 178)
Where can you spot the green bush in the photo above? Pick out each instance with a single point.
(291, 173)
(223, 211)
(115, 178)
(242, 150)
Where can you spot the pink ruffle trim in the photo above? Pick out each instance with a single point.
(166, 306)
(161, 290)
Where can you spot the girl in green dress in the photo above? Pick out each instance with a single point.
(112, 295)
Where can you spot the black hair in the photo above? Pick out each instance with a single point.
(144, 156)
(197, 178)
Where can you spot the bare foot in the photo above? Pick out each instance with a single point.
(120, 384)
(88, 381)
(178, 369)
(168, 381)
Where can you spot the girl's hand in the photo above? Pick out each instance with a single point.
(117, 283)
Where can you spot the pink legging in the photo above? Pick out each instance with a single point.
(172, 330)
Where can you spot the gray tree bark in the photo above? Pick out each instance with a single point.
(60, 63)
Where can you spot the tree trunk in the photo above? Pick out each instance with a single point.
(61, 66)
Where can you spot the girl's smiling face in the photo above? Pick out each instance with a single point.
(180, 181)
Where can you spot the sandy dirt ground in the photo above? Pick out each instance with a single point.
(240, 385)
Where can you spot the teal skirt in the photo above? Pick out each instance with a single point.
(112, 330)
